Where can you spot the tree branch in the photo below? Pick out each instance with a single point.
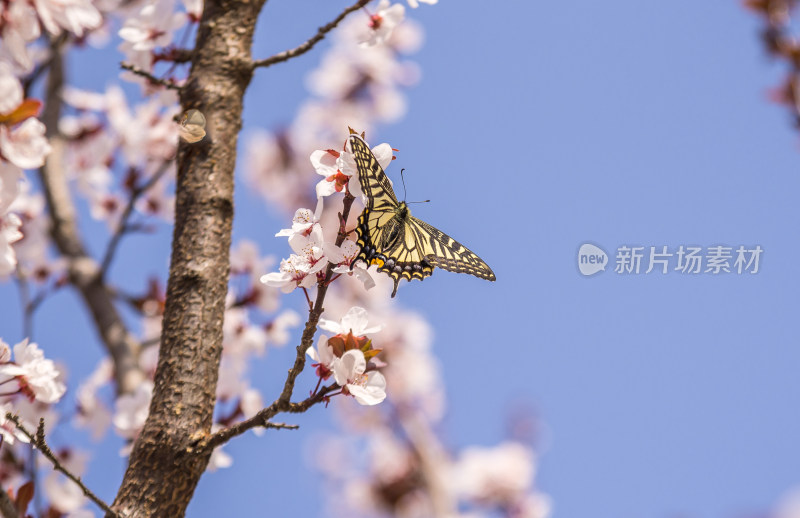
(283, 403)
(83, 270)
(166, 83)
(40, 443)
(136, 192)
(262, 420)
(314, 315)
(308, 45)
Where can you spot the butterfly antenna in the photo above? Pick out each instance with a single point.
(404, 189)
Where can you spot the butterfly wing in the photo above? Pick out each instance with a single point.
(374, 183)
(401, 245)
(443, 251)
(383, 225)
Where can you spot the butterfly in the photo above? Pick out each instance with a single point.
(400, 244)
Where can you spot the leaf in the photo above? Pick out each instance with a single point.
(24, 497)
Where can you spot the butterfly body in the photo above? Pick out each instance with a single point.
(401, 245)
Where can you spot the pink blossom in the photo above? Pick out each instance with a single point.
(305, 228)
(383, 22)
(354, 321)
(278, 330)
(415, 3)
(76, 16)
(296, 271)
(323, 357)
(20, 26)
(343, 256)
(501, 475)
(132, 410)
(25, 145)
(36, 376)
(349, 371)
(92, 411)
(153, 25)
(11, 94)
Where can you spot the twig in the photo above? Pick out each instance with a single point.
(166, 83)
(40, 443)
(313, 317)
(122, 228)
(283, 403)
(308, 45)
(262, 419)
(282, 426)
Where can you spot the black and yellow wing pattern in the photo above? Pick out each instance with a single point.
(400, 244)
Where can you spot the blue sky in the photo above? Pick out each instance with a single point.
(536, 127)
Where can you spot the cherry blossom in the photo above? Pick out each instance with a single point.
(152, 26)
(240, 336)
(246, 260)
(273, 169)
(383, 22)
(9, 223)
(305, 228)
(278, 330)
(20, 26)
(343, 256)
(75, 16)
(36, 376)
(25, 145)
(323, 357)
(339, 169)
(349, 371)
(92, 411)
(132, 410)
(415, 3)
(65, 495)
(8, 429)
(501, 474)
(354, 321)
(33, 250)
(11, 94)
(296, 272)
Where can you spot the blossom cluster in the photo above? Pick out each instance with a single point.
(404, 469)
(408, 471)
(346, 356)
(22, 146)
(359, 83)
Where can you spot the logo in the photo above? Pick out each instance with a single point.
(591, 259)
(684, 259)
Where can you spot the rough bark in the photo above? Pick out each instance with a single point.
(163, 470)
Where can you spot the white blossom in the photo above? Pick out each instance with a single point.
(355, 321)
(349, 371)
(153, 26)
(383, 22)
(132, 410)
(25, 145)
(34, 373)
(75, 16)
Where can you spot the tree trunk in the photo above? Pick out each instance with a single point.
(163, 470)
